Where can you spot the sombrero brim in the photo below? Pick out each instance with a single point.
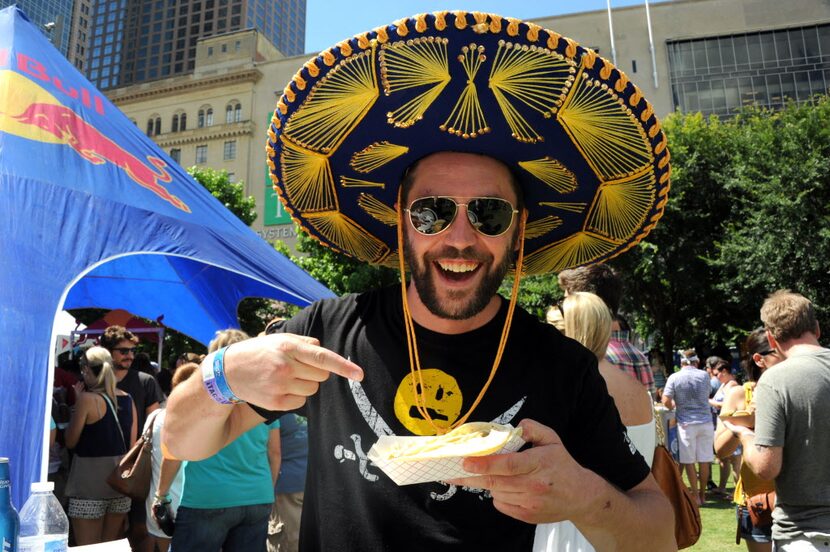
(590, 154)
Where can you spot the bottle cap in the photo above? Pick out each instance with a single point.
(43, 487)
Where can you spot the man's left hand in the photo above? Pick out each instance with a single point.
(539, 485)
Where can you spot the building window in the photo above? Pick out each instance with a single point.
(176, 155)
(229, 113)
(230, 150)
(183, 122)
(721, 75)
(205, 116)
(210, 51)
(231, 177)
(158, 126)
(201, 154)
(209, 117)
(237, 113)
(174, 127)
(201, 122)
(149, 127)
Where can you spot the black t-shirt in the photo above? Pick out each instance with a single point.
(144, 390)
(350, 504)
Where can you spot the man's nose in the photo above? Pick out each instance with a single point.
(461, 233)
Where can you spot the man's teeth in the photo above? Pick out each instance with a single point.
(458, 267)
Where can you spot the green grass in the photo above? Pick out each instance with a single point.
(718, 519)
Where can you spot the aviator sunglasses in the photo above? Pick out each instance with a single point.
(490, 216)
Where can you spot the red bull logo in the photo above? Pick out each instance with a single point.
(41, 117)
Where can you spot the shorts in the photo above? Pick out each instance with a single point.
(696, 443)
(94, 508)
(748, 531)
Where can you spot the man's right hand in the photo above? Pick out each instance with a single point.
(279, 371)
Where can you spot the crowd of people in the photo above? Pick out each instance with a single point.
(221, 503)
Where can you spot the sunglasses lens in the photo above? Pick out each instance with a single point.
(430, 215)
(490, 216)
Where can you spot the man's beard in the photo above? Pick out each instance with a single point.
(426, 287)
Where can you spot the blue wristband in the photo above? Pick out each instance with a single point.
(219, 375)
(213, 377)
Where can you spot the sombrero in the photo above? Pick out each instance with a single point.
(587, 147)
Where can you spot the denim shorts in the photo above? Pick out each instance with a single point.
(748, 531)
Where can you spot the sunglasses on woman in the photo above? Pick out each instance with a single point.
(490, 216)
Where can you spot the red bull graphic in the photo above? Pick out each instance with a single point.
(32, 112)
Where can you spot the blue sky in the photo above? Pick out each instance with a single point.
(329, 21)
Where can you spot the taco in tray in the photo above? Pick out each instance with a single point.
(470, 439)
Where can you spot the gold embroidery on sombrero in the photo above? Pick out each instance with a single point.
(376, 155)
(308, 180)
(575, 250)
(348, 90)
(377, 209)
(565, 206)
(348, 182)
(467, 117)
(551, 172)
(622, 206)
(542, 226)
(607, 133)
(534, 76)
(347, 235)
(410, 64)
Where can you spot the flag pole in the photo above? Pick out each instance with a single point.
(611, 33)
(651, 48)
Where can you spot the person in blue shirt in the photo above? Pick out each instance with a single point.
(228, 497)
(284, 524)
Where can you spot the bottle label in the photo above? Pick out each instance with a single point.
(45, 543)
(5, 483)
(7, 546)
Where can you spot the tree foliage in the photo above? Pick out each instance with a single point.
(746, 215)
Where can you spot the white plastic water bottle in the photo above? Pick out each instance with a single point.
(43, 523)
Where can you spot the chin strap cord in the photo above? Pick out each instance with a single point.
(412, 344)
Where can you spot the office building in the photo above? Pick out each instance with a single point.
(53, 17)
(135, 41)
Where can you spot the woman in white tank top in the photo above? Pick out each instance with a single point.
(587, 319)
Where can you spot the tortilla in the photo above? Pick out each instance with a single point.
(470, 439)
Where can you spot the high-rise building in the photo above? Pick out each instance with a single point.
(135, 41)
(53, 17)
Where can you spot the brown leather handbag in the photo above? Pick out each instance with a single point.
(687, 525)
(132, 475)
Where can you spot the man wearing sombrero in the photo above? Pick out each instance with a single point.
(475, 145)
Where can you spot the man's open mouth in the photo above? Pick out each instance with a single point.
(457, 270)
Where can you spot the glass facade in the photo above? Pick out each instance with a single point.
(53, 17)
(720, 75)
(135, 41)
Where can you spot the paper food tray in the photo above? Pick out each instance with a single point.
(408, 472)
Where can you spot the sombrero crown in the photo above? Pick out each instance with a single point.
(588, 150)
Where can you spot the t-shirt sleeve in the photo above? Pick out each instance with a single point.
(152, 391)
(770, 419)
(668, 390)
(598, 440)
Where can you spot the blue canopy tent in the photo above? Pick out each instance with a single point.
(95, 215)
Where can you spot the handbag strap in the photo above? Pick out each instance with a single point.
(117, 421)
(148, 433)
(658, 425)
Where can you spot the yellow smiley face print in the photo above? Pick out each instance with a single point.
(443, 401)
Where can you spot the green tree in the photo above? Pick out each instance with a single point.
(747, 214)
(340, 273)
(780, 237)
(670, 282)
